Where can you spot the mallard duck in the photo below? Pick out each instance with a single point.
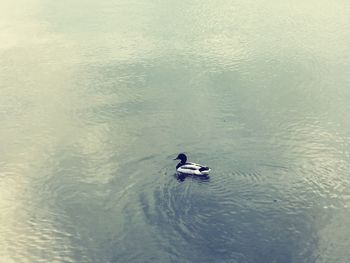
(185, 167)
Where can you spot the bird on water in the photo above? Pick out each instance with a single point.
(188, 168)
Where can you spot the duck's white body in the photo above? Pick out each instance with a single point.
(193, 169)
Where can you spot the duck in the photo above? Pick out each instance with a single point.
(188, 168)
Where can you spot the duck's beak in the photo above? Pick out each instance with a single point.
(176, 158)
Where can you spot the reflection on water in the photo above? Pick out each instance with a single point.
(96, 98)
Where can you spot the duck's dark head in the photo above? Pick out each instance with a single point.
(181, 157)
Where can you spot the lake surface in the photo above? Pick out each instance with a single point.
(98, 97)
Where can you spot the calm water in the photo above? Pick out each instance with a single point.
(97, 97)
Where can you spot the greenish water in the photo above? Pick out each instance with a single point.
(97, 97)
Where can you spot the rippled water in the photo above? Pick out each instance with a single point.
(97, 97)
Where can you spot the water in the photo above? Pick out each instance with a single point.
(97, 97)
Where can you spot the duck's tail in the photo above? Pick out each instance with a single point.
(204, 170)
